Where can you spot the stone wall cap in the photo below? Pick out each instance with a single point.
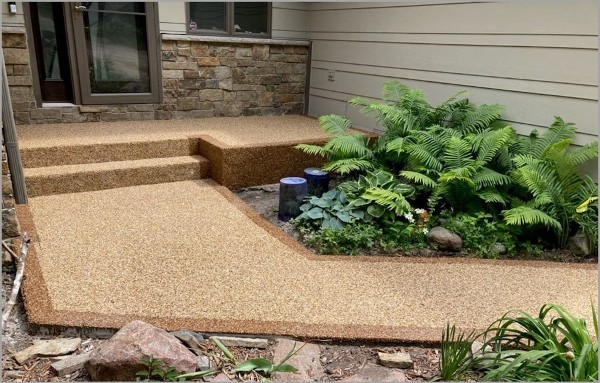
(13, 30)
(235, 40)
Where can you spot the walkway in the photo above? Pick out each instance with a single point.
(191, 255)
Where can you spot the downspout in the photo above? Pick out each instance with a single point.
(307, 79)
(10, 140)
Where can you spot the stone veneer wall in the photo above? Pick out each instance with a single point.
(10, 224)
(201, 77)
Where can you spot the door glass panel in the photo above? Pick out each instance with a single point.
(114, 7)
(50, 59)
(117, 50)
(208, 16)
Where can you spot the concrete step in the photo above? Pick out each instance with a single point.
(46, 156)
(109, 175)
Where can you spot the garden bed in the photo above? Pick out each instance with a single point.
(265, 200)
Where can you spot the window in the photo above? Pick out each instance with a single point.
(237, 19)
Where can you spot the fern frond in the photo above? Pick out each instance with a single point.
(396, 145)
(394, 91)
(314, 150)
(334, 124)
(525, 215)
(355, 145)
(348, 165)
(419, 178)
(480, 118)
(424, 157)
(457, 153)
(558, 131)
(491, 196)
(387, 198)
(463, 174)
(584, 153)
(486, 177)
(491, 142)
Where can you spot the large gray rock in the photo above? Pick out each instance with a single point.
(60, 346)
(580, 245)
(444, 239)
(307, 361)
(118, 359)
(71, 364)
(498, 248)
(374, 373)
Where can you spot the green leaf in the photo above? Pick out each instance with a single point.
(258, 364)
(358, 202)
(376, 210)
(223, 349)
(142, 373)
(344, 216)
(315, 213)
(584, 206)
(324, 203)
(285, 368)
(197, 374)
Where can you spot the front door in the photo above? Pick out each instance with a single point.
(117, 53)
(52, 55)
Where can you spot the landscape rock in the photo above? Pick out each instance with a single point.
(203, 363)
(374, 373)
(580, 245)
(445, 239)
(498, 248)
(70, 364)
(231, 341)
(118, 359)
(189, 338)
(395, 360)
(59, 346)
(306, 361)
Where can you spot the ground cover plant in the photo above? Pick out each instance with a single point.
(458, 165)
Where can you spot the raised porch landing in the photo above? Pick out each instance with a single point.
(235, 152)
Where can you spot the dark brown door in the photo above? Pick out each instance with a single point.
(50, 40)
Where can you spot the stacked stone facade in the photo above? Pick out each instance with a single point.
(199, 79)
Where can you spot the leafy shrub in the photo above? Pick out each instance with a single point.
(351, 239)
(402, 112)
(463, 172)
(480, 231)
(548, 347)
(379, 195)
(548, 170)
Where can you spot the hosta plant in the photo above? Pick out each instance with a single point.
(548, 170)
(331, 210)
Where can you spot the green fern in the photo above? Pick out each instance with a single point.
(555, 185)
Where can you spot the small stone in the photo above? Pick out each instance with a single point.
(60, 346)
(445, 239)
(395, 360)
(70, 364)
(231, 341)
(189, 338)
(203, 363)
(14, 374)
(579, 245)
(374, 373)
(498, 248)
(306, 360)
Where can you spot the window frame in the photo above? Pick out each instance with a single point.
(229, 23)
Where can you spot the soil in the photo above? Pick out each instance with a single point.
(265, 200)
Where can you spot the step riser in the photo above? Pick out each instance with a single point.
(101, 180)
(88, 154)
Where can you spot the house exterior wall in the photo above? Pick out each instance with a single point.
(200, 78)
(12, 19)
(539, 60)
